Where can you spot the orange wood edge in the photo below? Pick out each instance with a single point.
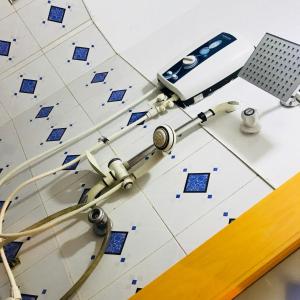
(239, 254)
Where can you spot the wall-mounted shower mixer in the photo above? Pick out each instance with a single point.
(99, 218)
(119, 172)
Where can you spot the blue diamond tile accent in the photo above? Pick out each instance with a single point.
(215, 169)
(117, 95)
(28, 86)
(99, 77)
(4, 48)
(116, 242)
(83, 196)
(56, 14)
(44, 112)
(133, 227)
(136, 116)
(177, 196)
(134, 282)
(28, 297)
(209, 196)
(11, 250)
(2, 203)
(68, 159)
(80, 53)
(225, 214)
(122, 259)
(44, 291)
(196, 183)
(56, 134)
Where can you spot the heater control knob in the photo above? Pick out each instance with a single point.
(189, 61)
(250, 121)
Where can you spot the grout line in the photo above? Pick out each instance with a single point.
(9, 116)
(182, 160)
(162, 220)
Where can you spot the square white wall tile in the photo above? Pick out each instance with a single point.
(143, 273)
(39, 118)
(100, 108)
(80, 53)
(196, 185)
(49, 20)
(94, 87)
(223, 214)
(47, 279)
(135, 219)
(16, 41)
(5, 9)
(28, 86)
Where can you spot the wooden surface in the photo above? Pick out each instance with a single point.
(239, 254)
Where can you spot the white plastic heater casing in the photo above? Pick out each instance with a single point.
(211, 71)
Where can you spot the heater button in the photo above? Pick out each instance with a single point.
(189, 61)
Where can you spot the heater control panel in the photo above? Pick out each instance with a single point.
(206, 64)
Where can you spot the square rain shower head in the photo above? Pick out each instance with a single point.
(274, 66)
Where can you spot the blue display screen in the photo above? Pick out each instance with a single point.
(200, 54)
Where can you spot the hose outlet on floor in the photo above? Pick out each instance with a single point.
(100, 220)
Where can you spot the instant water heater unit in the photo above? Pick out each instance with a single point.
(205, 67)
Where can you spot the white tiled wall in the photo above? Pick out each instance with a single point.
(36, 16)
(162, 217)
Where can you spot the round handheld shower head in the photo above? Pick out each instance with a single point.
(164, 138)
